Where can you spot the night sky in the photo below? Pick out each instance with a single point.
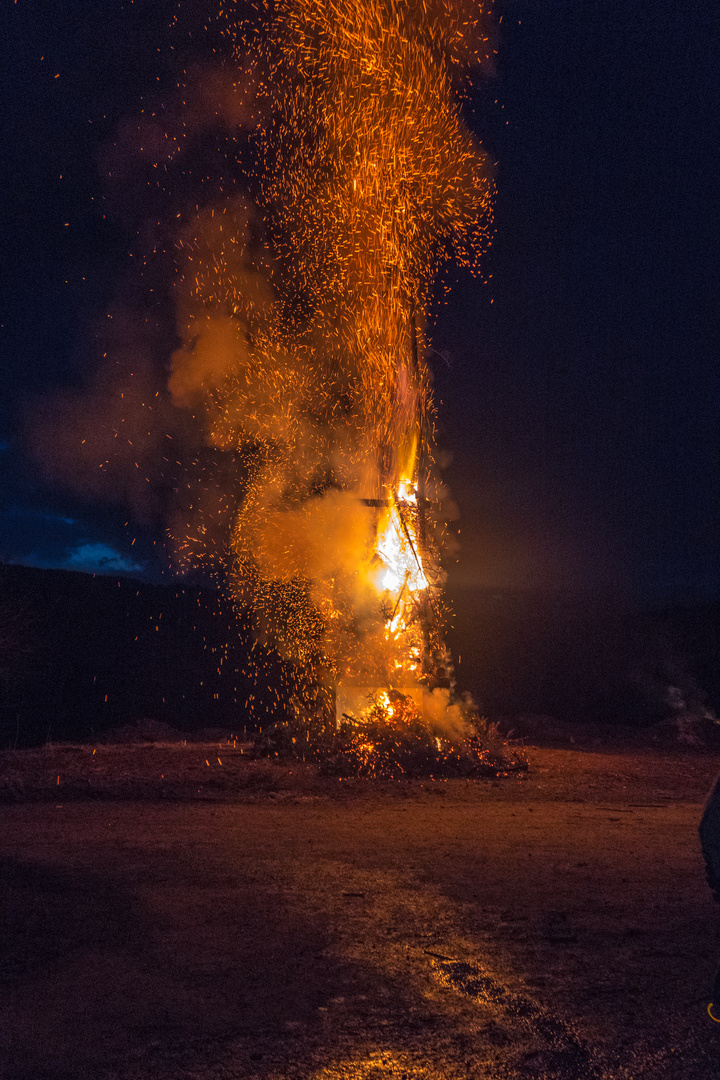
(578, 388)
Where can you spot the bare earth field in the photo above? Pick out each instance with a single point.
(178, 912)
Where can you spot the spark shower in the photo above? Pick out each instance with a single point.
(302, 314)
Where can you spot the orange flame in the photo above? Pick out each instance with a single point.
(308, 357)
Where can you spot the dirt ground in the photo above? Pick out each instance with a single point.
(169, 916)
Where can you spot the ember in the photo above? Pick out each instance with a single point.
(304, 343)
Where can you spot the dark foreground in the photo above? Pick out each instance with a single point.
(554, 926)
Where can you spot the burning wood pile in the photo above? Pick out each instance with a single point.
(391, 736)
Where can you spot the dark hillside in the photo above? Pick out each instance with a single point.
(80, 654)
(585, 657)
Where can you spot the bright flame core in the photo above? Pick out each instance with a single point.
(403, 575)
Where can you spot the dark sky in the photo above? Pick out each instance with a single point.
(580, 407)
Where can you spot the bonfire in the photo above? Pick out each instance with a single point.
(304, 328)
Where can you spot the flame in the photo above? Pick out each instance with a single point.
(402, 575)
(307, 360)
(398, 550)
(401, 578)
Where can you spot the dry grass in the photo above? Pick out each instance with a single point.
(217, 770)
(224, 769)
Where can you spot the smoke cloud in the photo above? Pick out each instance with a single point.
(268, 395)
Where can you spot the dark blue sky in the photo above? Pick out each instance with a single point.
(580, 406)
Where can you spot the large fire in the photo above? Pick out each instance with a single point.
(303, 321)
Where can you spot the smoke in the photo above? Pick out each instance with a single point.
(370, 183)
(154, 160)
(126, 437)
(106, 442)
(447, 719)
(265, 391)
